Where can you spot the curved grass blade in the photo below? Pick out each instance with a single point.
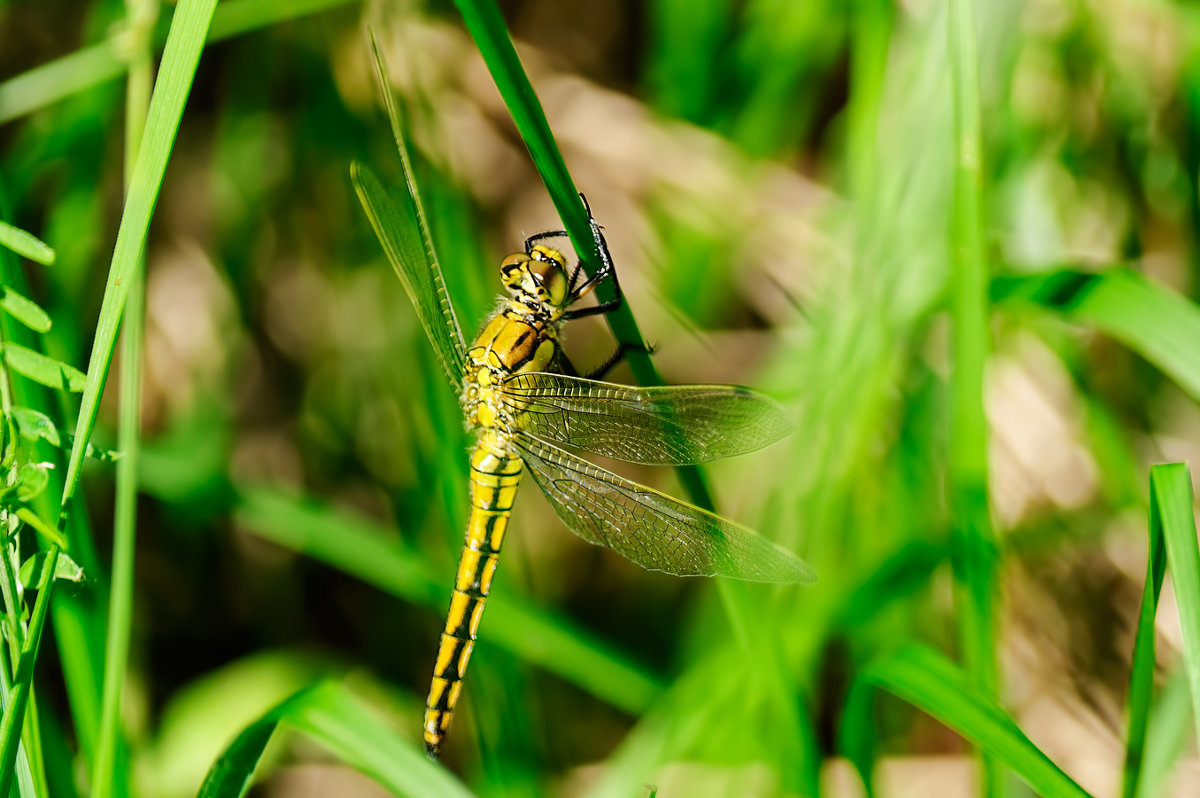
(1172, 488)
(930, 682)
(1141, 677)
(329, 715)
(1151, 319)
(665, 425)
(181, 55)
(1166, 735)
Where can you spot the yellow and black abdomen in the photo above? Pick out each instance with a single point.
(510, 342)
(494, 479)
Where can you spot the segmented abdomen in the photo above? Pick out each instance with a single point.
(494, 478)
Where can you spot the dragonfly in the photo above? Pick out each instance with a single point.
(529, 407)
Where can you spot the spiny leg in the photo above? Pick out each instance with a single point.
(601, 371)
(536, 237)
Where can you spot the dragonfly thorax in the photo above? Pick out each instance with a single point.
(517, 338)
(537, 278)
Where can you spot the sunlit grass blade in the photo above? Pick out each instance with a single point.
(334, 718)
(930, 682)
(1167, 733)
(1151, 319)
(25, 244)
(1172, 487)
(328, 714)
(22, 686)
(232, 772)
(180, 58)
(1141, 677)
(356, 547)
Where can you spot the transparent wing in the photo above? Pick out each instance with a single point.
(670, 425)
(650, 528)
(418, 269)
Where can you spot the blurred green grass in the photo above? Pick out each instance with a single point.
(777, 182)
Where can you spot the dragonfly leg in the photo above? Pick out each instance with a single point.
(607, 269)
(595, 310)
(533, 239)
(601, 371)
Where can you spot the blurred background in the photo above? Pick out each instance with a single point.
(774, 179)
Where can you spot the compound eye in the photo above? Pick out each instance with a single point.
(549, 271)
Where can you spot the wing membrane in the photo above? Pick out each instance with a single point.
(669, 425)
(652, 529)
(418, 269)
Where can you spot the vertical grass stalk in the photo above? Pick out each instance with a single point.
(105, 777)
(1141, 678)
(974, 561)
(1172, 488)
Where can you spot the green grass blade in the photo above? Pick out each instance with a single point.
(1151, 319)
(356, 547)
(1168, 732)
(91, 66)
(243, 16)
(975, 564)
(232, 772)
(120, 601)
(1172, 488)
(487, 28)
(331, 716)
(14, 711)
(930, 682)
(180, 57)
(25, 244)
(1141, 677)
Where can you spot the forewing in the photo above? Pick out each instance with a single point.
(652, 529)
(669, 425)
(417, 266)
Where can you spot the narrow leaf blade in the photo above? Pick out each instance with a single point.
(929, 681)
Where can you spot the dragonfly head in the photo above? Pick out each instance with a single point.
(540, 276)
